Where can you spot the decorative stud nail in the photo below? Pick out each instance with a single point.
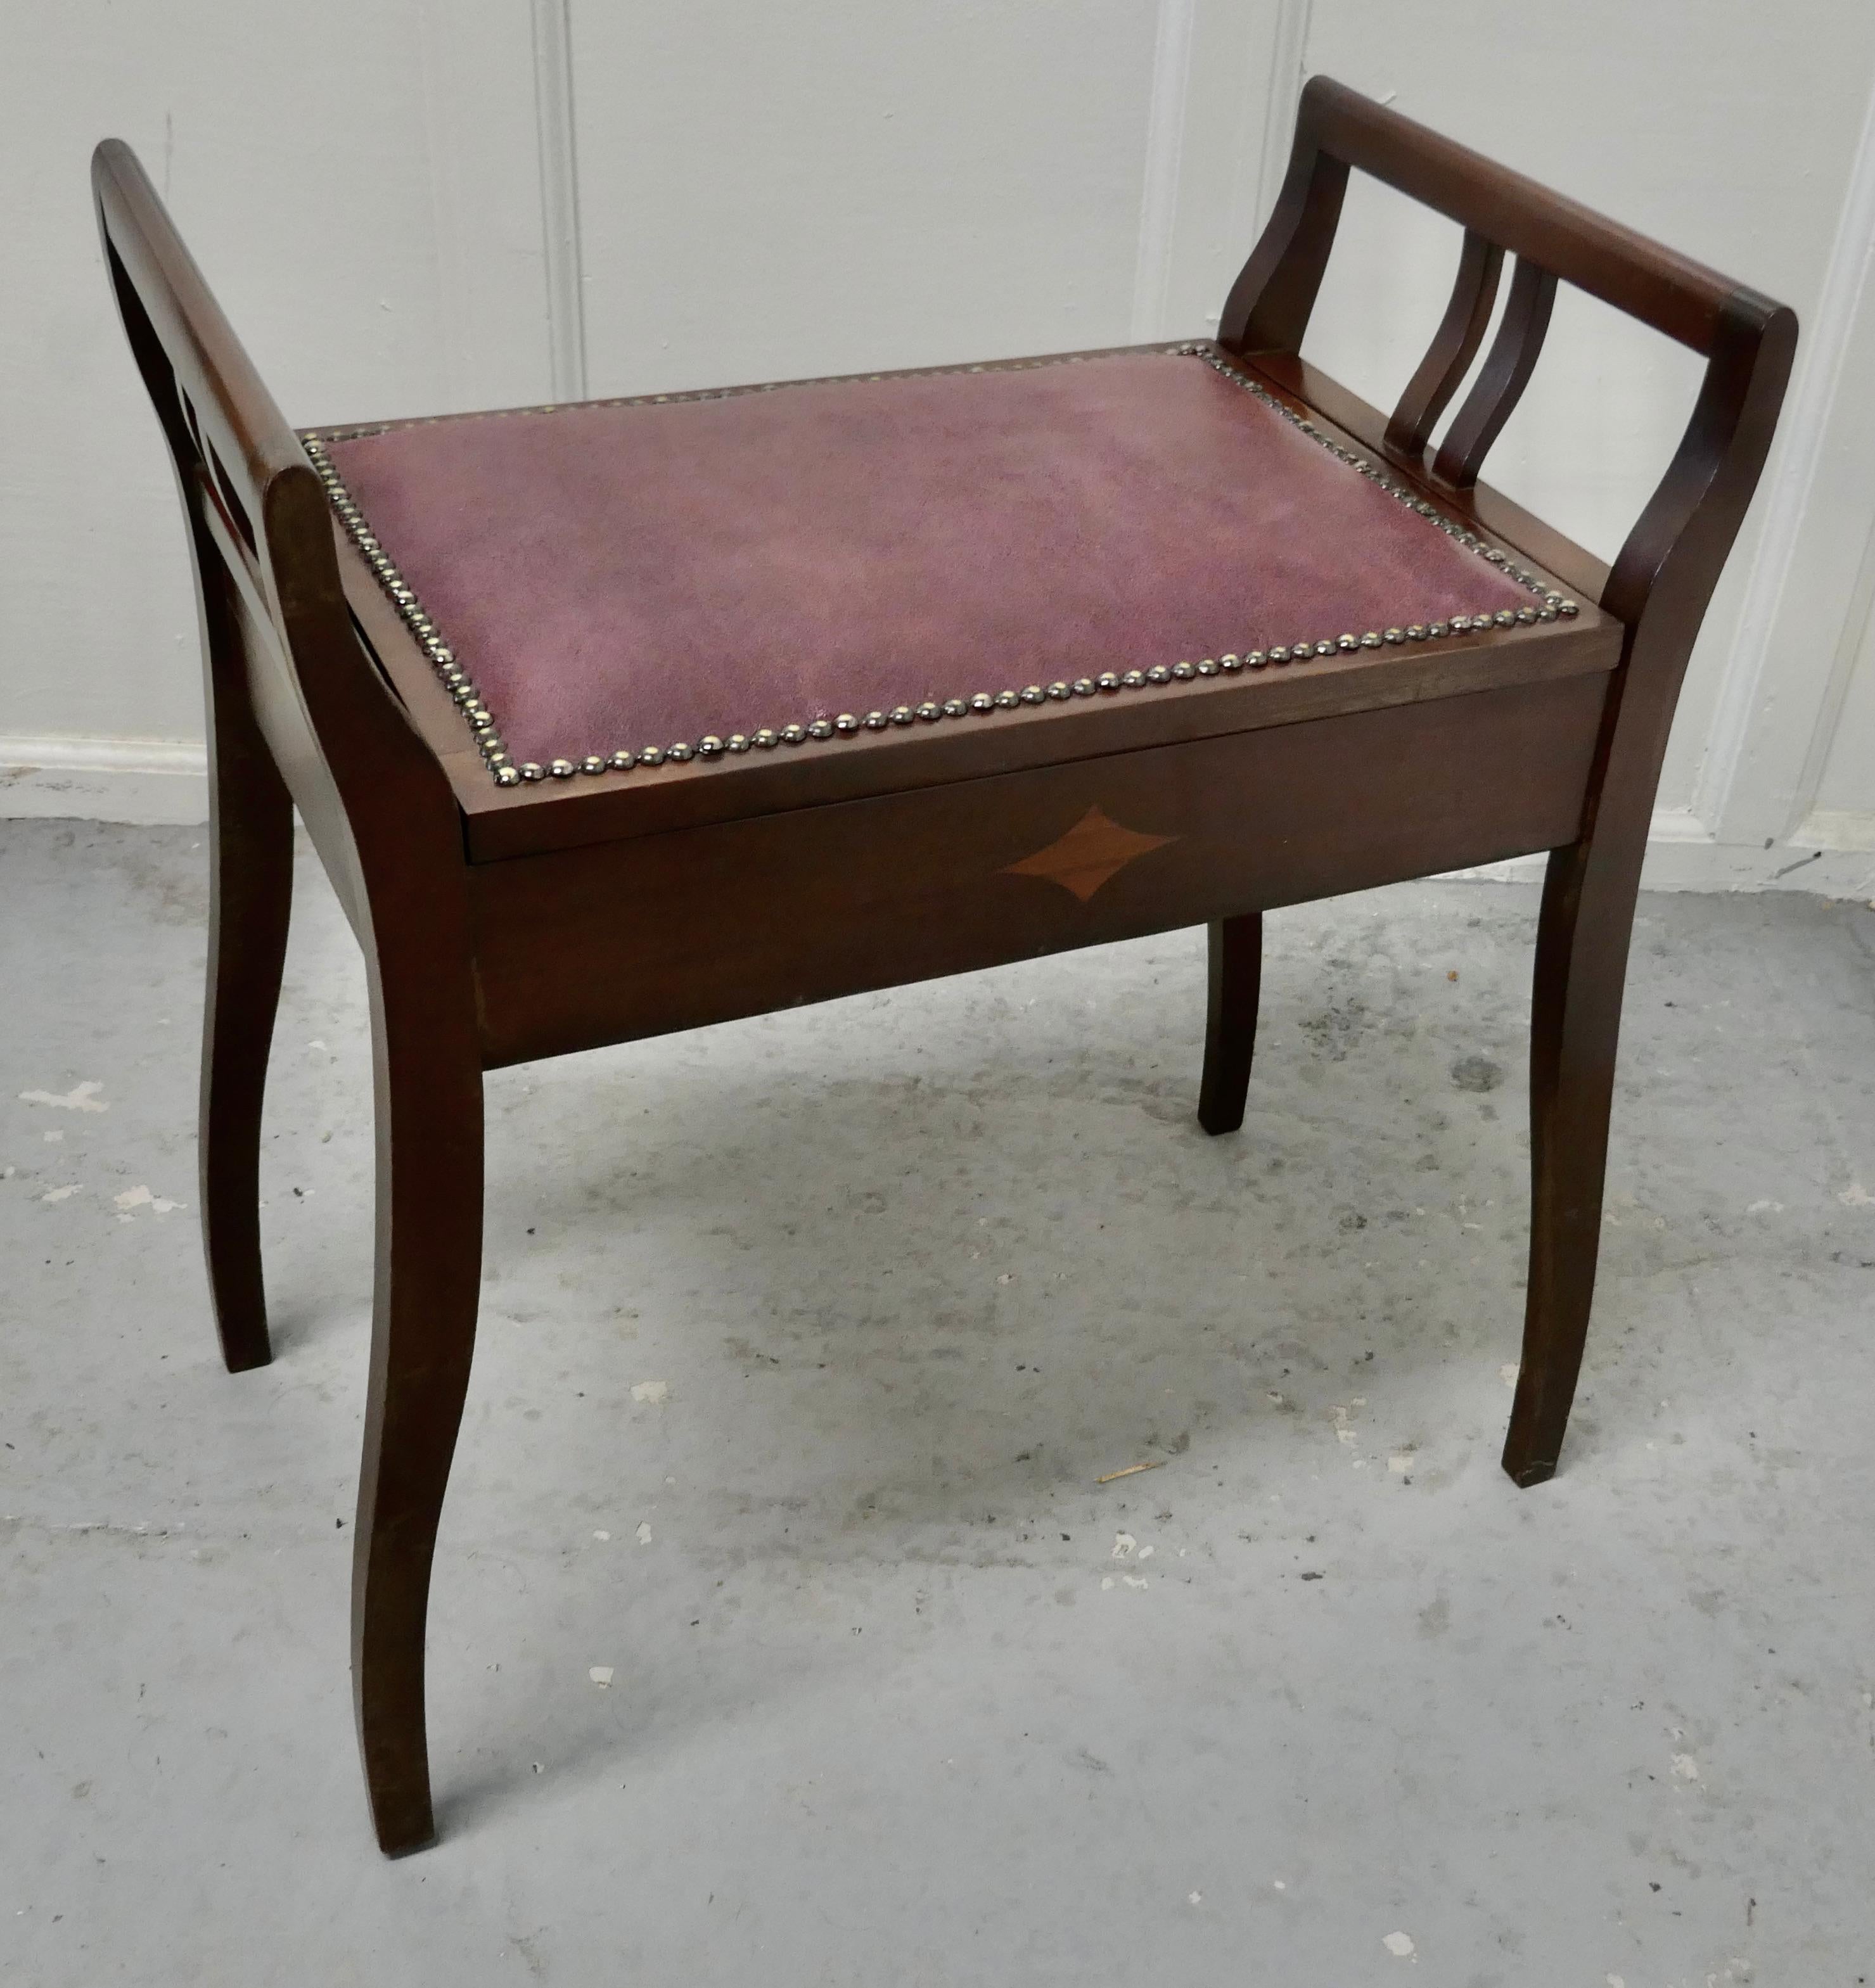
(476, 714)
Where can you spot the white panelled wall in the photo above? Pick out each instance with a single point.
(421, 205)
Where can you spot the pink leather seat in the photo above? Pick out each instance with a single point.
(617, 576)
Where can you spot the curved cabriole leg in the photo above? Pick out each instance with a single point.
(1582, 952)
(1231, 1020)
(429, 1262)
(251, 869)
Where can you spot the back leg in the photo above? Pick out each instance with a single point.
(1231, 1020)
(251, 861)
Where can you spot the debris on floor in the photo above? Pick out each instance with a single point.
(81, 1097)
(1131, 1470)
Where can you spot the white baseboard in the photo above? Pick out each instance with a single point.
(157, 780)
(1830, 856)
(1839, 828)
(143, 780)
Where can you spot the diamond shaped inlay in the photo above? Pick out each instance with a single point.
(1092, 853)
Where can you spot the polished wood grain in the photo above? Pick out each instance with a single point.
(1338, 129)
(501, 924)
(911, 886)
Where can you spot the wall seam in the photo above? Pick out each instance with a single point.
(1289, 65)
(1165, 144)
(1797, 474)
(560, 198)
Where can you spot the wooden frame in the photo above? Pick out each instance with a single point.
(930, 853)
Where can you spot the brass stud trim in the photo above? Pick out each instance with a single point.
(1550, 605)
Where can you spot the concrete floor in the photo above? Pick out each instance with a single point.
(804, 1343)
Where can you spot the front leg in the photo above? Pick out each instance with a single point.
(428, 1084)
(1582, 950)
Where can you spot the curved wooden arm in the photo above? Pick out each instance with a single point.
(1674, 552)
(1336, 127)
(263, 531)
(1659, 587)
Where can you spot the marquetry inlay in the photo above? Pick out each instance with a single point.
(1092, 853)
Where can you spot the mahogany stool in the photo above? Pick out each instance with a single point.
(626, 717)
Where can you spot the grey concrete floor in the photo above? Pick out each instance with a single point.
(804, 1343)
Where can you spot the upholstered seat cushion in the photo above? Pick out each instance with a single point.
(611, 577)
